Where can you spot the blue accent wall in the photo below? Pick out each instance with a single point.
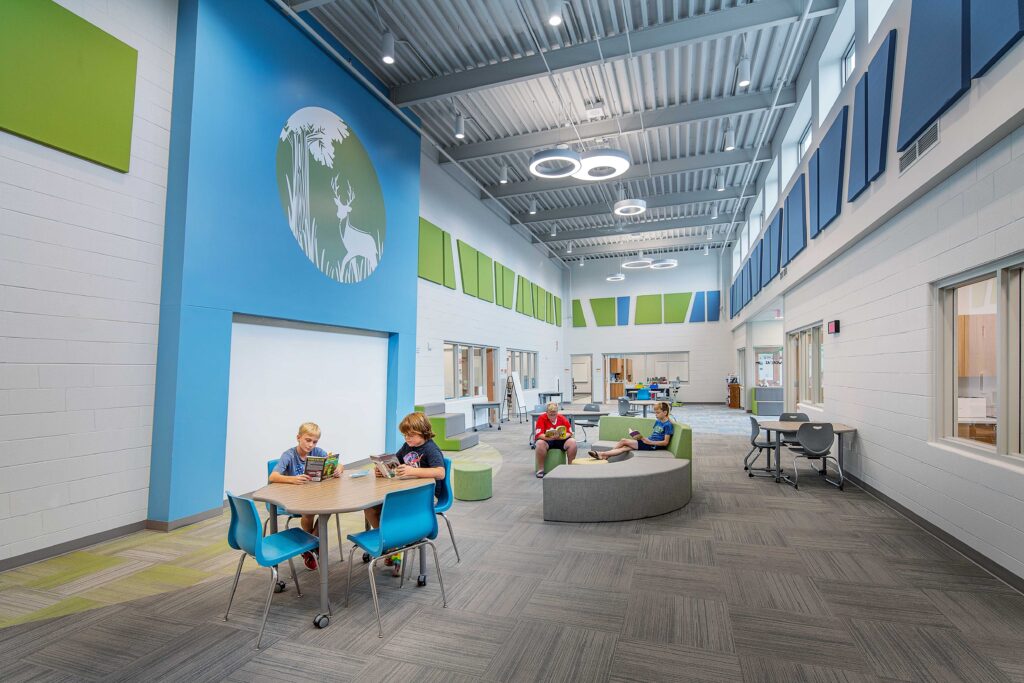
(859, 141)
(622, 307)
(938, 64)
(714, 302)
(995, 26)
(827, 192)
(795, 216)
(228, 248)
(879, 101)
(697, 312)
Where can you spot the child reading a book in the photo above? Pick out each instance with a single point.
(291, 469)
(553, 431)
(418, 457)
(660, 437)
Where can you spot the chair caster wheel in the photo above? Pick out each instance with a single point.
(795, 487)
(421, 580)
(321, 621)
(750, 474)
(366, 558)
(280, 587)
(745, 469)
(840, 487)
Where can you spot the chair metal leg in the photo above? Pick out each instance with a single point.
(266, 609)
(746, 458)
(349, 582)
(341, 548)
(437, 567)
(401, 569)
(376, 604)
(295, 577)
(447, 521)
(265, 523)
(796, 474)
(238, 573)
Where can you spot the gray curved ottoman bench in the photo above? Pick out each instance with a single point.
(632, 489)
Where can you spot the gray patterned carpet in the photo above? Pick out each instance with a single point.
(752, 581)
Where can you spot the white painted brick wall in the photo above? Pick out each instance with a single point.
(450, 315)
(80, 261)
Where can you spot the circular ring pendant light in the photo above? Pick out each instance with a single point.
(602, 164)
(640, 261)
(555, 163)
(629, 207)
(665, 263)
(616, 277)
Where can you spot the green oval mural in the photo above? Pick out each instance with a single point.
(330, 194)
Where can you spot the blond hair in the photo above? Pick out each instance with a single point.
(417, 423)
(551, 405)
(663, 407)
(311, 428)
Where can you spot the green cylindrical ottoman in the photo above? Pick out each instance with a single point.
(471, 481)
(554, 458)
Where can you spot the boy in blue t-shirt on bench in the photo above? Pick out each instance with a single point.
(660, 437)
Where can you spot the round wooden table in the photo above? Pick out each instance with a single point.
(329, 497)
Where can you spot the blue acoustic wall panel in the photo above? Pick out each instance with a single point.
(745, 280)
(732, 299)
(859, 141)
(764, 245)
(813, 226)
(714, 302)
(938, 64)
(796, 221)
(831, 155)
(775, 230)
(995, 26)
(697, 313)
(879, 97)
(755, 269)
(622, 307)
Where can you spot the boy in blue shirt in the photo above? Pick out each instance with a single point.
(660, 437)
(291, 469)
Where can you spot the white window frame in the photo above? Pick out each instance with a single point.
(525, 363)
(848, 63)
(474, 381)
(1009, 283)
(803, 145)
(810, 390)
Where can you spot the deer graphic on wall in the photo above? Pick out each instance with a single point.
(362, 252)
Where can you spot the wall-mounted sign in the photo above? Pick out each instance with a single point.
(833, 327)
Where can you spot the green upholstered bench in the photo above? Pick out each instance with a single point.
(614, 427)
(471, 480)
(554, 458)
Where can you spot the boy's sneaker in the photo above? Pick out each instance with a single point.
(309, 559)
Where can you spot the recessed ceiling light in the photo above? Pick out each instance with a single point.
(555, 163)
(629, 207)
(602, 164)
(665, 263)
(387, 48)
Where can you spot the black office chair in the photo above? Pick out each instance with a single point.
(792, 417)
(756, 447)
(583, 423)
(815, 439)
(624, 407)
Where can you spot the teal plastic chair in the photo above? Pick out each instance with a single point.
(407, 522)
(643, 395)
(268, 551)
(271, 464)
(444, 504)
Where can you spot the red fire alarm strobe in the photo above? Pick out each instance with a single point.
(833, 327)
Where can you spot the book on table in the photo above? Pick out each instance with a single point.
(556, 433)
(319, 468)
(386, 464)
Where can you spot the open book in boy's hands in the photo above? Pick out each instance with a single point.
(556, 433)
(386, 464)
(634, 433)
(320, 468)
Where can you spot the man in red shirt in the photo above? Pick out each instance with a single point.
(548, 421)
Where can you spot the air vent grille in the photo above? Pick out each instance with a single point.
(924, 142)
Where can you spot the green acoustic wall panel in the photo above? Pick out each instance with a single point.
(521, 295)
(648, 309)
(65, 83)
(578, 319)
(551, 308)
(529, 292)
(467, 266)
(604, 311)
(499, 283)
(676, 307)
(431, 262)
(558, 312)
(485, 277)
(449, 260)
(541, 310)
(508, 287)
